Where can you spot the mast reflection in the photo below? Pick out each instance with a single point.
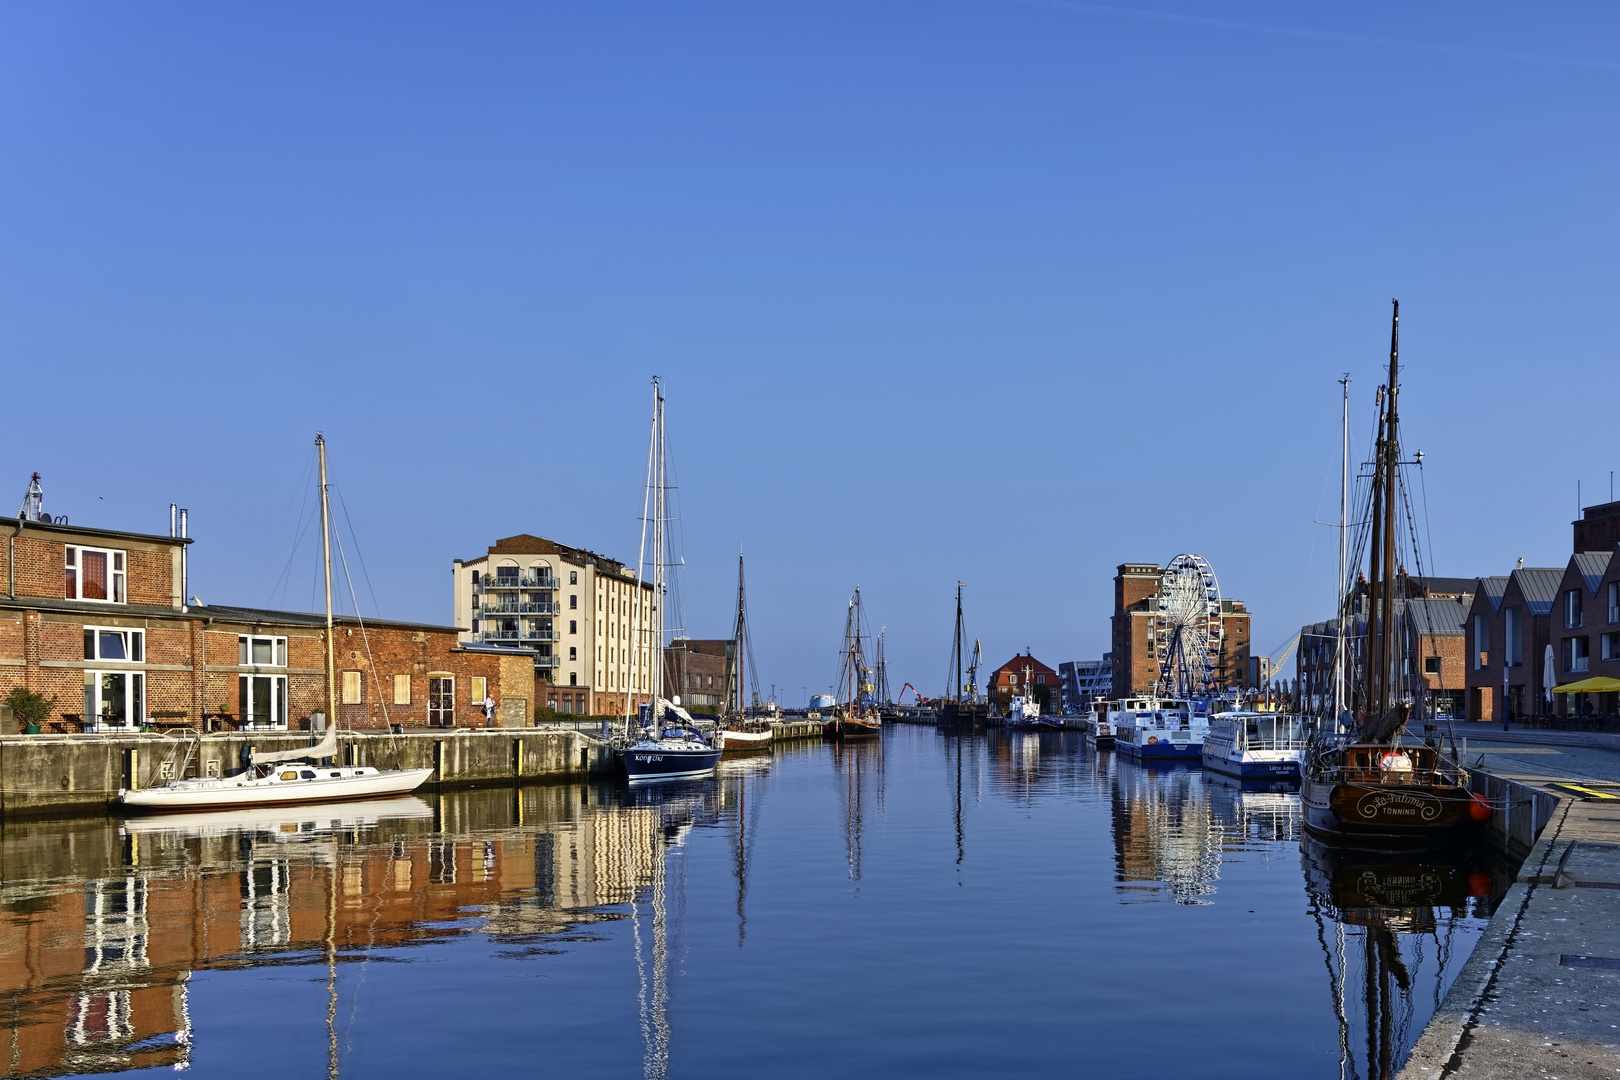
(1406, 911)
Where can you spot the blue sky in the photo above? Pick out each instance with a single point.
(1001, 292)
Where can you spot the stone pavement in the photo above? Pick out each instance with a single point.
(1540, 996)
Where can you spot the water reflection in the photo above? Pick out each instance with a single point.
(106, 923)
(1388, 927)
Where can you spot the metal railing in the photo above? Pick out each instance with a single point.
(514, 607)
(515, 635)
(522, 581)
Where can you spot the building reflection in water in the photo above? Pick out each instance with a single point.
(107, 921)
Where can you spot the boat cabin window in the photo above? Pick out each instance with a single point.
(308, 774)
(337, 774)
(290, 774)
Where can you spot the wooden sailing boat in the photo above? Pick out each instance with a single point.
(856, 716)
(1367, 785)
(737, 732)
(288, 777)
(961, 705)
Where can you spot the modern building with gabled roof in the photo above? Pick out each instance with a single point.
(1507, 633)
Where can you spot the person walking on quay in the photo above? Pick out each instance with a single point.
(489, 710)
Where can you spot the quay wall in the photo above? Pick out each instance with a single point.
(64, 775)
(59, 775)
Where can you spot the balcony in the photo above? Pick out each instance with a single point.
(547, 661)
(514, 607)
(522, 581)
(514, 637)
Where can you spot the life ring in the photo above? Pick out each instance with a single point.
(1152, 739)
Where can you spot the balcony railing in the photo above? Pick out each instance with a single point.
(522, 581)
(524, 636)
(547, 661)
(514, 607)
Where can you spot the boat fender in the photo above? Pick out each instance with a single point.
(1478, 808)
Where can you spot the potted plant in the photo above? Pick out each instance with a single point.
(29, 708)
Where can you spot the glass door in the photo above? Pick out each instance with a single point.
(115, 698)
(441, 701)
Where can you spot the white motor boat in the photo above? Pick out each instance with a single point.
(1255, 745)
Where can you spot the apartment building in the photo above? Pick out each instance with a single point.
(575, 609)
(1507, 630)
(1084, 681)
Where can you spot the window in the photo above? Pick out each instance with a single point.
(1611, 646)
(402, 689)
(1513, 636)
(573, 579)
(263, 700)
(93, 574)
(506, 575)
(1577, 654)
(573, 653)
(115, 698)
(1040, 680)
(104, 644)
(1482, 642)
(1614, 601)
(351, 688)
(261, 651)
(1406, 665)
(480, 689)
(573, 626)
(573, 601)
(1572, 608)
(1431, 665)
(573, 678)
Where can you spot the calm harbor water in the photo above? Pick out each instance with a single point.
(928, 906)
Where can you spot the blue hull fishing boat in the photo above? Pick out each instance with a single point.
(1153, 729)
(1255, 745)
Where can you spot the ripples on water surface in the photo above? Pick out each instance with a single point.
(939, 907)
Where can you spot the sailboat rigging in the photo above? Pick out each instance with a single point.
(1367, 784)
(671, 747)
(263, 783)
(856, 714)
(961, 705)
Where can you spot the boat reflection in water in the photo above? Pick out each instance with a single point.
(859, 767)
(1391, 929)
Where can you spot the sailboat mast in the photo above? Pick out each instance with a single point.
(1392, 456)
(1344, 582)
(326, 559)
(957, 650)
(659, 521)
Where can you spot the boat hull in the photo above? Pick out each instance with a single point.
(852, 729)
(735, 741)
(229, 792)
(1163, 750)
(1251, 769)
(1397, 814)
(645, 766)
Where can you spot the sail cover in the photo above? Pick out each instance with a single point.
(326, 748)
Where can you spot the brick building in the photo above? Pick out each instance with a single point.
(1585, 630)
(696, 670)
(1597, 529)
(1024, 674)
(572, 607)
(95, 619)
(1429, 617)
(1508, 626)
(1136, 659)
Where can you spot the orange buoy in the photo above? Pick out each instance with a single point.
(1478, 808)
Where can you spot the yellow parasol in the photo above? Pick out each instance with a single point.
(1597, 684)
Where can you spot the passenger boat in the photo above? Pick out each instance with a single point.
(1369, 785)
(1023, 713)
(1151, 729)
(1255, 745)
(287, 777)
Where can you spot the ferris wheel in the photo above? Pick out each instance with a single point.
(1187, 628)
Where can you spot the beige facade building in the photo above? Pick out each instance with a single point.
(575, 608)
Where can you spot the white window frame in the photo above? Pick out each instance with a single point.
(245, 644)
(96, 702)
(117, 574)
(1572, 609)
(134, 645)
(249, 685)
(1614, 601)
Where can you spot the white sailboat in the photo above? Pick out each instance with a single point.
(288, 777)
